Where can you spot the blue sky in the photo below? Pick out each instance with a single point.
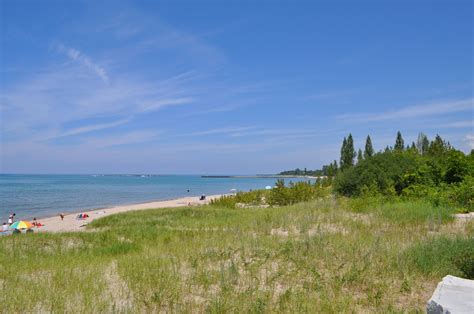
(227, 87)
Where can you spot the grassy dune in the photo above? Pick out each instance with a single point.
(330, 255)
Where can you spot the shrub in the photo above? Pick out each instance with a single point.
(255, 198)
(296, 192)
(386, 171)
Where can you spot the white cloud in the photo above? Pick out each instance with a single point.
(93, 127)
(166, 102)
(84, 60)
(470, 140)
(219, 131)
(459, 124)
(133, 137)
(413, 111)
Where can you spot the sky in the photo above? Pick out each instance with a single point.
(227, 87)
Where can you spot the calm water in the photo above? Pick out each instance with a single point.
(47, 195)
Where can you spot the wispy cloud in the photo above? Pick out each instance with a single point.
(335, 94)
(227, 130)
(128, 138)
(459, 124)
(91, 128)
(470, 140)
(413, 111)
(84, 60)
(161, 103)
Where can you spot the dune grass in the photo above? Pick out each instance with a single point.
(331, 255)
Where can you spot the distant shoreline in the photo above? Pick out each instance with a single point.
(262, 176)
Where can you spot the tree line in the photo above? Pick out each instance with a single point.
(433, 169)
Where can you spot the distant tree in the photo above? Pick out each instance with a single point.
(351, 153)
(359, 156)
(422, 144)
(369, 149)
(305, 171)
(343, 153)
(334, 164)
(399, 143)
(347, 153)
(413, 146)
(457, 167)
(437, 147)
(330, 171)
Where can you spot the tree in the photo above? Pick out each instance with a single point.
(457, 167)
(422, 144)
(359, 156)
(369, 149)
(399, 143)
(438, 146)
(413, 146)
(347, 153)
(343, 153)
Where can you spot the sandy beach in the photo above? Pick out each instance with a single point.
(70, 223)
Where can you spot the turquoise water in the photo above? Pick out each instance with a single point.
(47, 195)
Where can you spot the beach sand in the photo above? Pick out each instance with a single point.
(70, 223)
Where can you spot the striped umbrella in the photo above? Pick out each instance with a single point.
(21, 225)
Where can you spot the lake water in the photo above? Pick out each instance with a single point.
(47, 195)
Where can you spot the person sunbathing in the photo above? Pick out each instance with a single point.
(36, 223)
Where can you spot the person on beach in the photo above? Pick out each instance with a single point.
(62, 216)
(5, 227)
(36, 223)
(10, 218)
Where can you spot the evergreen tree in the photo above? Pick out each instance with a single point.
(399, 143)
(369, 149)
(425, 146)
(343, 153)
(438, 146)
(413, 146)
(350, 151)
(347, 153)
(335, 166)
(359, 156)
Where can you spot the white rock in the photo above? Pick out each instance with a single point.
(452, 295)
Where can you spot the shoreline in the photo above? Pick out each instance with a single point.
(71, 224)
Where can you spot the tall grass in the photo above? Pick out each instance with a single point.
(328, 255)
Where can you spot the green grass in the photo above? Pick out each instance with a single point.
(332, 255)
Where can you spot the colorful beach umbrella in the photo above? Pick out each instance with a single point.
(21, 225)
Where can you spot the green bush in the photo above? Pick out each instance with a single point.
(384, 171)
(227, 201)
(280, 195)
(254, 198)
(296, 192)
(445, 178)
